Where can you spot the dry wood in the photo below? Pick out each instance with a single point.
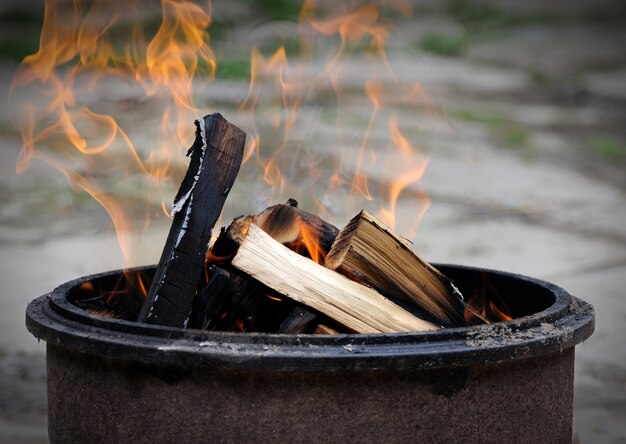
(216, 156)
(368, 251)
(303, 232)
(322, 329)
(359, 308)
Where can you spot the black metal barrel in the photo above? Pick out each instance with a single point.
(508, 382)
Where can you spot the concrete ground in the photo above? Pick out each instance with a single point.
(527, 144)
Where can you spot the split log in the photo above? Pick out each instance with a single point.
(358, 308)
(216, 156)
(368, 251)
(301, 231)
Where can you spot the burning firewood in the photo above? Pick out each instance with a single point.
(258, 258)
(232, 301)
(358, 308)
(303, 232)
(368, 251)
(216, 156)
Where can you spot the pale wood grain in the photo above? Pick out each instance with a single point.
(355, 306)
(371, 252)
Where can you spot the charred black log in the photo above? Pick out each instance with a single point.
(213, 301)
(297, 321)
(216, 157)
(233, 301)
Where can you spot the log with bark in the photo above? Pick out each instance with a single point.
(368, 251)
(216, 156)
(358, 308)
(303, 232)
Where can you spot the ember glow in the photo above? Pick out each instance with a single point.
(310, 244)
(486, 304)
(57, 97)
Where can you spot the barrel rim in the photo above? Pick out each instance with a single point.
(562, 325)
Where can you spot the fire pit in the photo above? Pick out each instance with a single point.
(118, 381)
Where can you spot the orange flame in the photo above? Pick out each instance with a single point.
(61, 93)
(310, 241)
(87, 286)
(297, 79)
(273, 298)
(142, 285)
(414, 166)
(239, 325)
(499, 313)
(486, 304)
(55, 87)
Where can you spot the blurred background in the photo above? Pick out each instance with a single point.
(490, 133)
